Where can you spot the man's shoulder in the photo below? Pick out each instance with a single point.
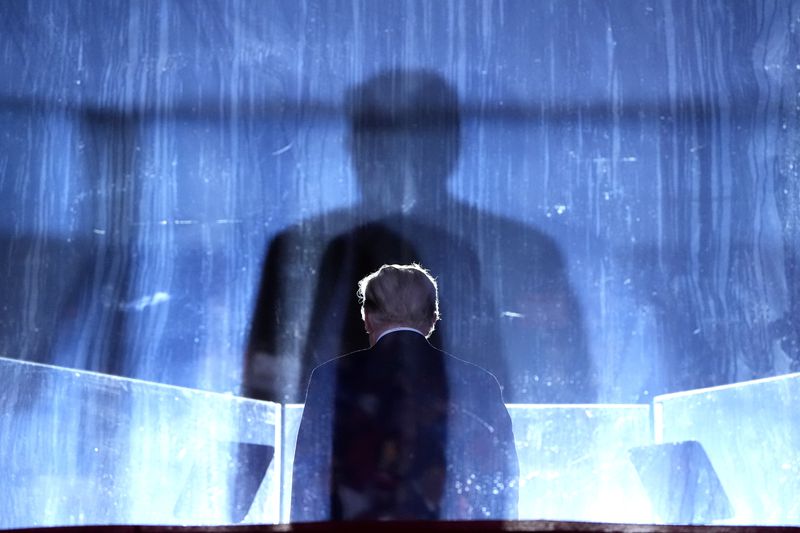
(459, 371)
(469, 372)
(329, 368)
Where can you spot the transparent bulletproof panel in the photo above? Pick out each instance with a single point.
(292, 413)
(85, 448)
(751, 435)
(573, 460)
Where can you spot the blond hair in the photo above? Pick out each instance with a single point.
(400, 295)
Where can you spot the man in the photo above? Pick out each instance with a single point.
(402, 430)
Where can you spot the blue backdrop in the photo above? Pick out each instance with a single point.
(620, 216)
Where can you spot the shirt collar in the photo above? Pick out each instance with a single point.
(392, 330)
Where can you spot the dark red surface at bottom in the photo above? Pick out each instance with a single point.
(416, 527)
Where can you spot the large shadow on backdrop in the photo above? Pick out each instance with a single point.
(506, 302)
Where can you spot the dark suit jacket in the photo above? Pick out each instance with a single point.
(404, 431)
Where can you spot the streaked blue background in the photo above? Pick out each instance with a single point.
(151, 150)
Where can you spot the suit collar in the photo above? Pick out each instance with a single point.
(394, 330)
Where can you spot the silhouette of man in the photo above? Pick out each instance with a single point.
(511, 308)
(402, 430)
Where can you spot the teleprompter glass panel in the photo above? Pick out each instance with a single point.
(751, 433)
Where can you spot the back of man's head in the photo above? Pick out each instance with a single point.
(400, 296)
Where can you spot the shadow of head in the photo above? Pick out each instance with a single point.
(404, 137)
